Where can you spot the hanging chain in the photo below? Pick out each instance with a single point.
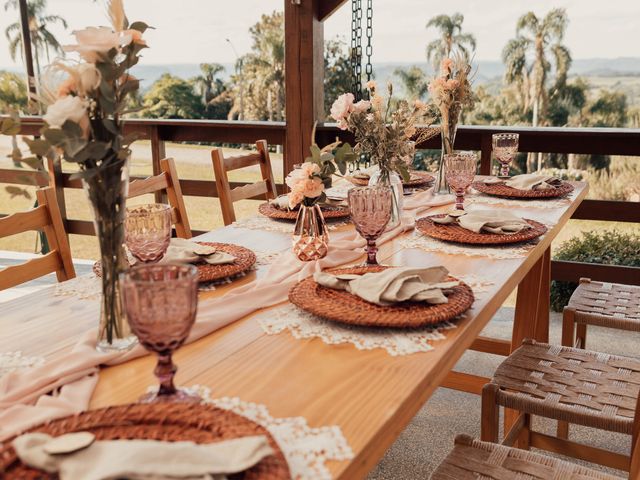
(369, 33)
(356, 49)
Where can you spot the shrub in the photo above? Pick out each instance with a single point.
(608, 247)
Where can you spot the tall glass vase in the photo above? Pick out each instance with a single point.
(310, 234)
(394, 181)
(107, 192)
(448, 129)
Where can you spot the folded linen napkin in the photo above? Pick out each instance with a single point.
(492, 221)
(393, 285)
(529, 181)
(185, 251)
(281, 202)
(144, 459)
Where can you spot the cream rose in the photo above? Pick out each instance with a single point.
(295, 198)
(67, 108)
(312, 187)
(361, 106)
(94, 42)
(342, 106)
(310, 169)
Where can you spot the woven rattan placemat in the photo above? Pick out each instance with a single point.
(501, 190)
(340, 306)
(165, 422)
(455, 233)
(328, 211)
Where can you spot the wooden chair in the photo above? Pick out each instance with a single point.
(46, 216)
(169, 182)
(221, 166)
(565, 384)
(602, 304)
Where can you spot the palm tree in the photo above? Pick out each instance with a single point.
(538, 39)
(451, 38)
(207, 83)
(42, 39)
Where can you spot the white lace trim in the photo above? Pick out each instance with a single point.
(395, 341)
(429, 244)
(11, 361)
(266, 224)
(306, 449)
(482, 199)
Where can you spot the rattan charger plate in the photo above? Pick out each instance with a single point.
(501, 190)
(164, 422)
(456, 233)
(343, 307)
(328, 212)
(245, 259)
(417, 179)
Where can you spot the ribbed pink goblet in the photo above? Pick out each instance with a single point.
(460, 169)
(161, 303)
(370, 212)
(148, 231)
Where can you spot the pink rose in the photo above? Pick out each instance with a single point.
(310, 169)
(342, 106)
(295, 198)
(361, 106)
(312, 187)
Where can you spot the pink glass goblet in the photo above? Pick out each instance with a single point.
(505, 147)
(370, 212)
(148, 231)
(161, 303)
(460, 169)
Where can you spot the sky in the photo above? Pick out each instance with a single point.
(193, 31)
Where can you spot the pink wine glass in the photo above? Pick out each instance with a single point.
(161, 303)
(148, 231)
(370, 212)
(505, 147)
(460, 169)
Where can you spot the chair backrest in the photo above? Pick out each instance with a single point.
(46, 216)
(634, 467)
(168, 181)
(222, 165)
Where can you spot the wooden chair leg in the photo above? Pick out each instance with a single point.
(581, 335)
(568, 340)
(490, 412)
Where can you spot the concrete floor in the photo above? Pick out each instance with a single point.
(429, 437)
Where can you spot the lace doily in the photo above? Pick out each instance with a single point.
(306, 448)
(482, 199)
(11, 361)
(303, 324)
(500, 252)
(268, 225)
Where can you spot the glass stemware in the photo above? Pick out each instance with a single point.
(148, 231)
(460, 169)
(370, 212)
(161, 303)
(505, 147)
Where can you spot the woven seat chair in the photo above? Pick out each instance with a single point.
(566, 384)
(472, 460)
(265, 188)
(610, 305)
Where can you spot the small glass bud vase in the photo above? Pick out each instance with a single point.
(310, 234)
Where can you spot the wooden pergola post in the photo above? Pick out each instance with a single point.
(304, 73)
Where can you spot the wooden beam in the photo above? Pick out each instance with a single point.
(304, 77)
(326, 8)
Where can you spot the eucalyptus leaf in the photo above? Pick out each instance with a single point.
(139, 26)
(33, 162)
(38, 146)
(14, 191)
(54, 136)
(110, 126)
(315, 153)
(10, 126)
(72, 129)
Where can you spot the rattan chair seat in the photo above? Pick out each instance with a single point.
(574, 385)
(472, 459)
(610, 305)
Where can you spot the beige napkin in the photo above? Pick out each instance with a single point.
(281, 202)
(185, 251)
(530, 181)
(144, 459)
(492, 221)
(392, 285)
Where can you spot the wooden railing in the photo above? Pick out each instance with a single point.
(546, 140)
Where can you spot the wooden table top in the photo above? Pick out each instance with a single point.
(369, 394)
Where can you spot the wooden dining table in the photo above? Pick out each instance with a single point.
(369, 394)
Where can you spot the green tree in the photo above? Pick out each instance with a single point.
(171, 97)
(337, 71)
(13, 92)
(538, 39)
(214, 92)
(451, 38)
(414, 81)
(43, 41)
